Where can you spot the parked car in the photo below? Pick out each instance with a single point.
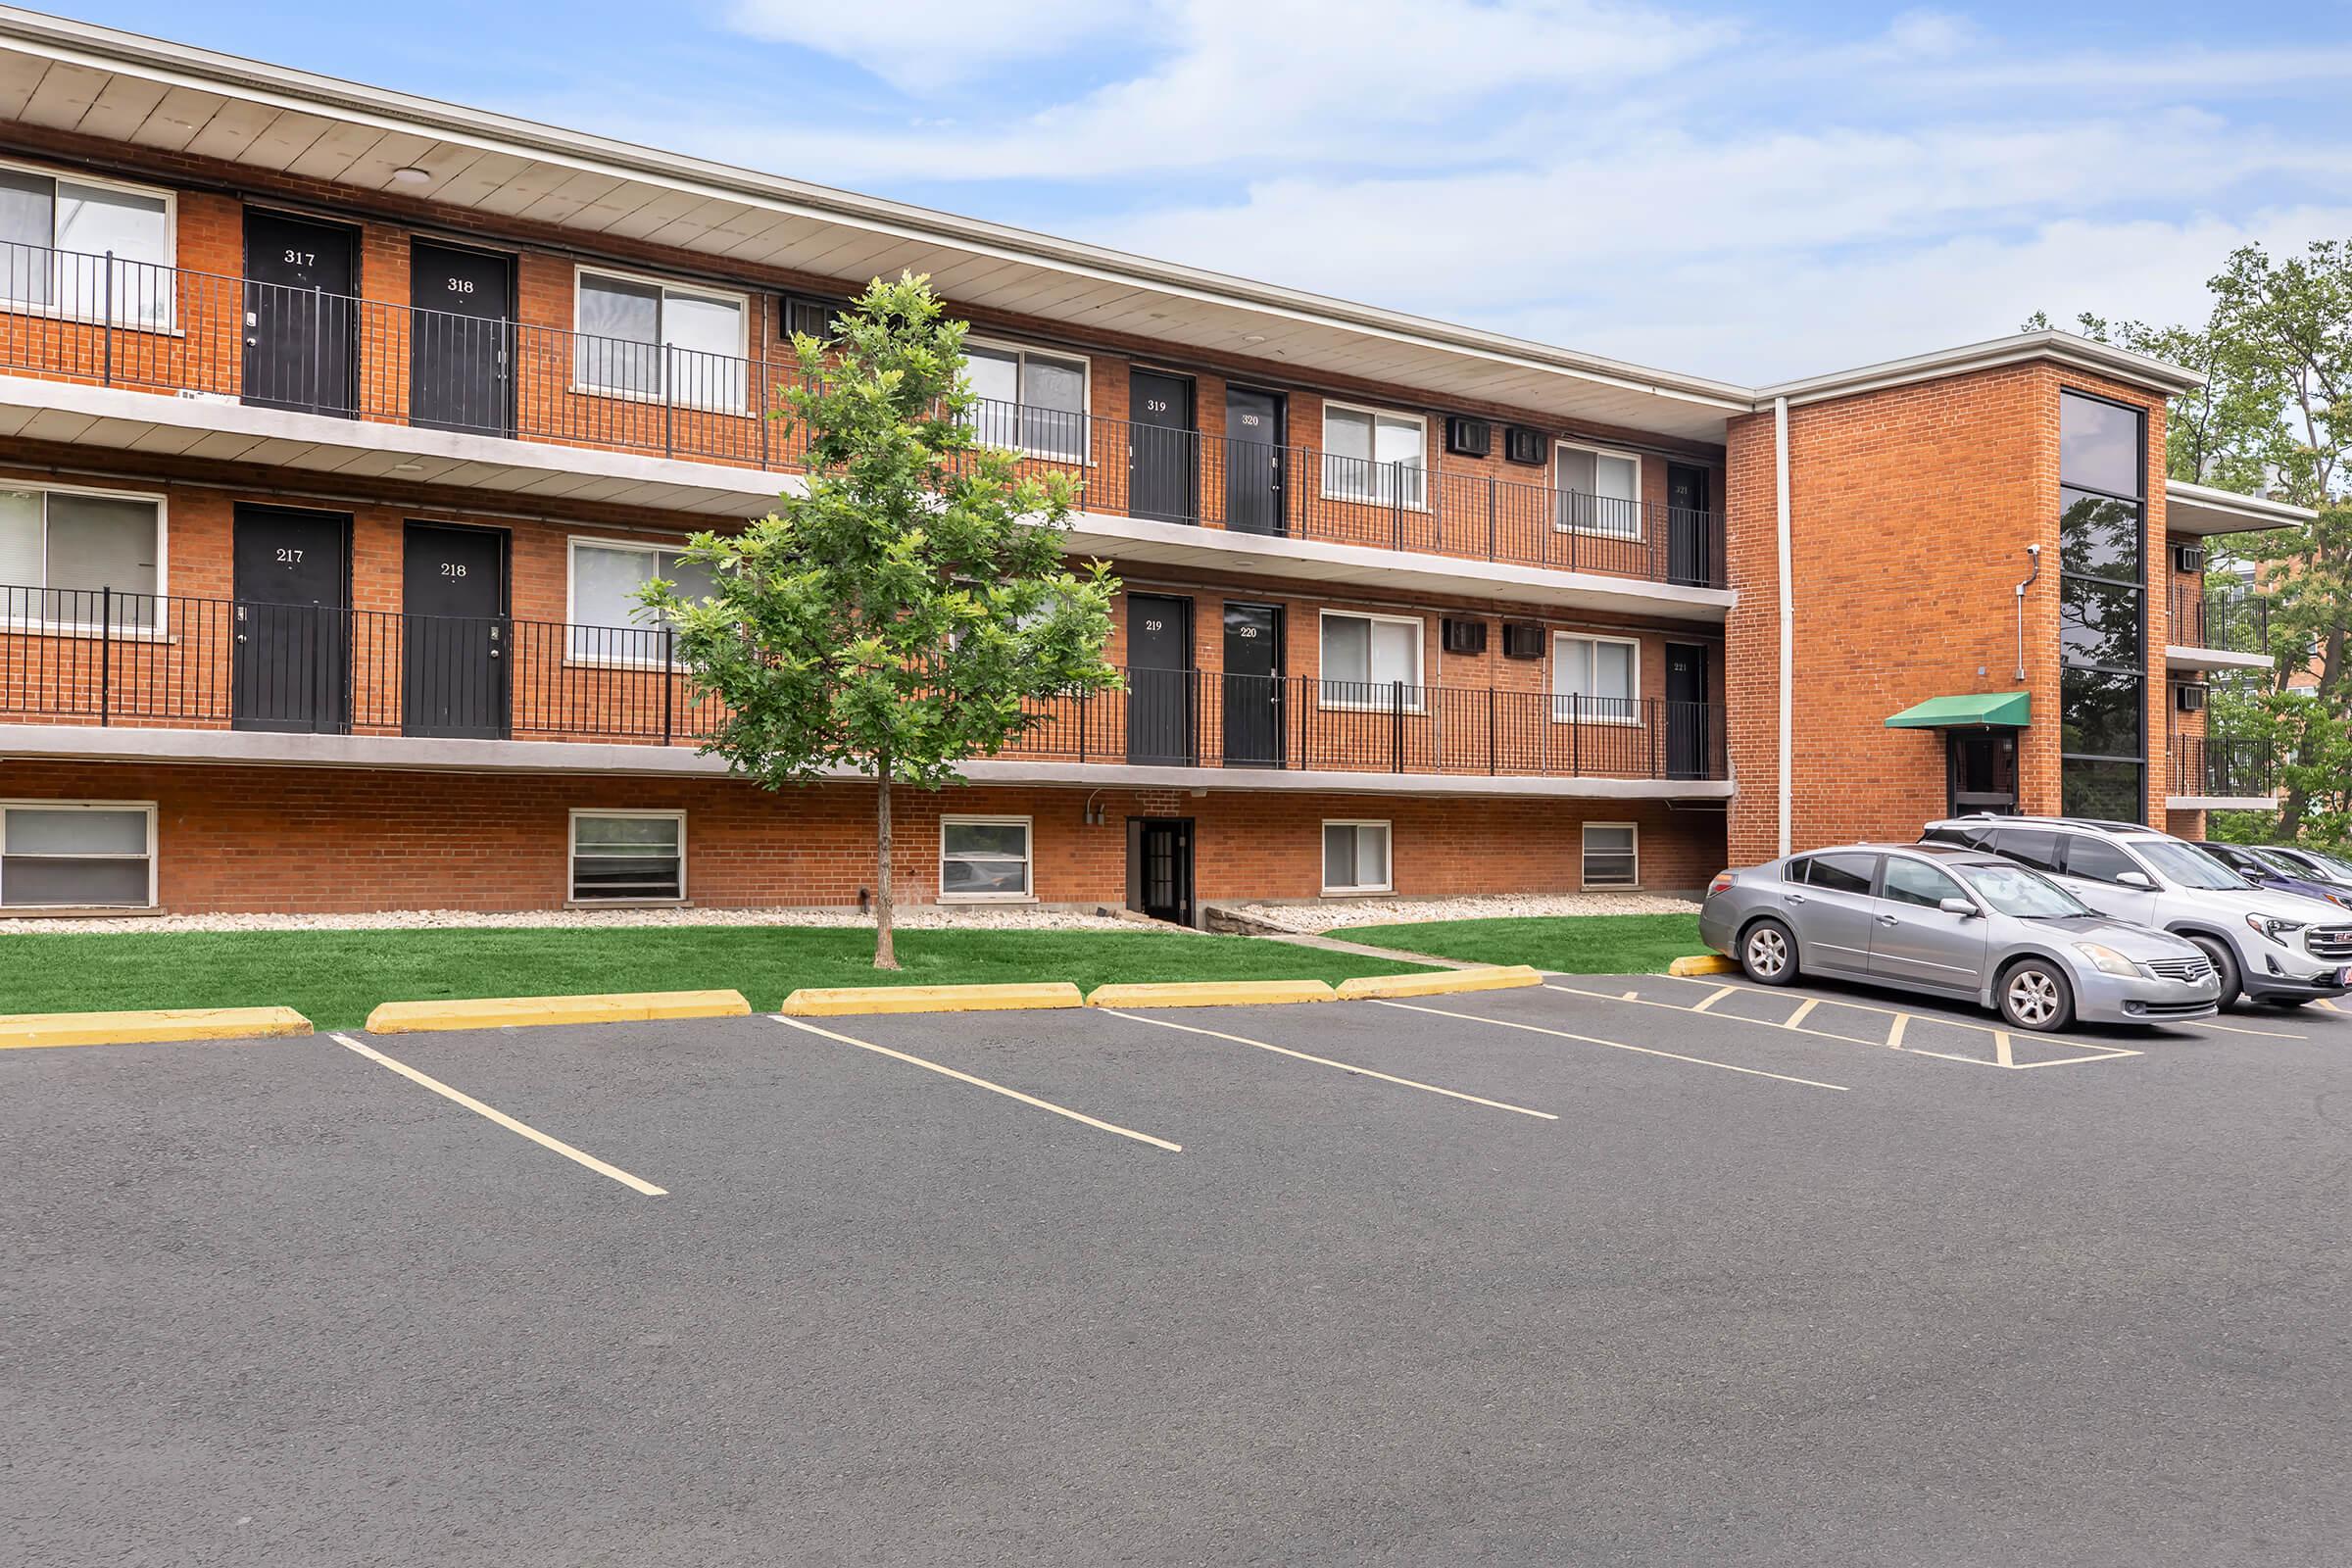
(1954, 922)
(2268, 947)
(2267, 869)
(2333, 870)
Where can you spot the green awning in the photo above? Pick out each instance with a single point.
(2010, 709)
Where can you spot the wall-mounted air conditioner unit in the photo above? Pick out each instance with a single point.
(1464, 636)
(1472, 438)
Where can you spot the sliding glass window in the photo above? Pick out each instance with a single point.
(2103, 613)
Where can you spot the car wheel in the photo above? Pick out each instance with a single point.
(2035, 994)
(1768, 953)
(2224, 964)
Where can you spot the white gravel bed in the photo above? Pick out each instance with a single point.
(921, 918)
(1315, 919)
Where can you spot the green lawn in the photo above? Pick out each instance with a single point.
(336, 977)
(1576, 943)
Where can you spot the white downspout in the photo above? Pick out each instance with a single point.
(1780, 449)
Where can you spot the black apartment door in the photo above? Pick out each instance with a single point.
(290, 626)
(1164, 451)
(1254, 452)
(1687, 729)
(1160, 700)
(453, 633)
(1159, 867)
(301, 319)
(1252, 686)
(461, 340)
(1689, 530)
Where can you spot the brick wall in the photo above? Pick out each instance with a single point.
(1911, 507)
(247, 839)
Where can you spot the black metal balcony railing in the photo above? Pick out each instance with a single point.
(2222, 766)
(110, 323)
(2236, 619)
(104, 658)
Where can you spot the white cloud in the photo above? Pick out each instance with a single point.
(922, 45)
(1668, 187)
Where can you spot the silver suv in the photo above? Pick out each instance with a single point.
(2276, 947)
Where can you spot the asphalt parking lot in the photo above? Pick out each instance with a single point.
(1631, 1270)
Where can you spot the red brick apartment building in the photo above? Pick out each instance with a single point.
(336, 428)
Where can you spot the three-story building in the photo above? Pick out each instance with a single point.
(339, 428)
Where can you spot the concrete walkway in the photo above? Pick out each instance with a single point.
(1364, 950)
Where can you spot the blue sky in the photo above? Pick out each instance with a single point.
(1745, 192)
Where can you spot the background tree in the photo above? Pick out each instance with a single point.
(2275, 419)
(895, 616)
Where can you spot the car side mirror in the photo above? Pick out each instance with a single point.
(2135, 879)
(2253, 878)
(1959, 907)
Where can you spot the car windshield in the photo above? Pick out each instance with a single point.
(2186, 864)
(2284, 865)
(2334, 867)
(2014, 890)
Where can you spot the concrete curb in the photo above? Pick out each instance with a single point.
(1502, 977)
(24, 1030)
(1211, 994)
(1702, 963)
(511, 1013)
(838, 1000)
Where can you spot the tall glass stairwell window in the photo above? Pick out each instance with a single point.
(2102, 511)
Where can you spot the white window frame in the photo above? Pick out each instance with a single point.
(1323, 856)
(667, 285)
(159, 631)
(571, 857)
(1417, 688)
(573, 545)
(1086, 398)
(1640, 512)
(1028, 827)
(153, 856)
(1584, 855)
(1632, 718)
(168, 326)
(1429, 473)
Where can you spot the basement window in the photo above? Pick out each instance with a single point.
(984, 859)
(1356, 857)
(1612, 854)
(77, 855)
(629, 857)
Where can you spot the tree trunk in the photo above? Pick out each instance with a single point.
(885, 955)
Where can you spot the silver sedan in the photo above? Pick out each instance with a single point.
(1954, 922)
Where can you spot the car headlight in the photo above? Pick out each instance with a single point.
(2107, 960)
(2278, 930)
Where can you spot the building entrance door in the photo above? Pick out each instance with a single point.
(1982, 769)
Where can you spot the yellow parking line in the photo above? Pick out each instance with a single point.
(2323, 1002)
(504, 1120)
(1802, 1013)
(1326, 1061)
(1616, 1044)
(1894, 1036)
(2000, 1047)
(1721, 993)
(983, 1083)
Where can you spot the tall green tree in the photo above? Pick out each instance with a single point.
(895, 616)
(2276, 419)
